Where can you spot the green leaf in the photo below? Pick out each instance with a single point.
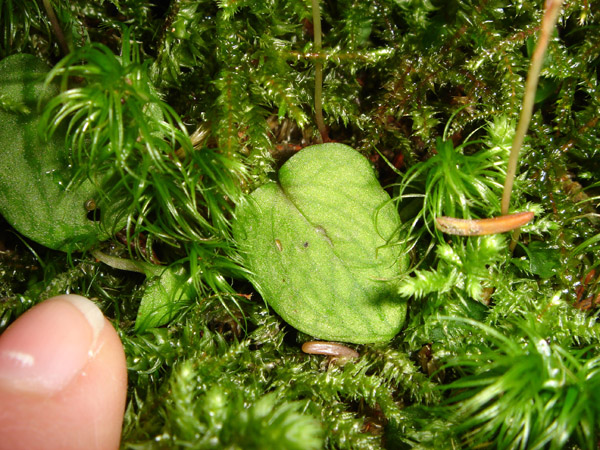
(318, 245)
(36, 194)
(167, 291)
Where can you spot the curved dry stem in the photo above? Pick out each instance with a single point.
(318, 72)
(482, 227)
(60, 36)
(548, 24)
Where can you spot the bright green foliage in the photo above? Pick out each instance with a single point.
(223, 417)
(462, 268)
(209, 42)
(179, 195)
(533, 394)
(115, 113)
(321, 245)
(168, 291)
(19, 21)
(458, 184)
(213, 92)
(216, 396)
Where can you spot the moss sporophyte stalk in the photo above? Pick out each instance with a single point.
(194, 127)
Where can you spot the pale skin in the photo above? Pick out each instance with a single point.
(63, 378)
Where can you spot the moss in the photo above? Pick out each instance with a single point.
(430, 91)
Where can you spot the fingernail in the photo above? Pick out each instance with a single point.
(49, 345)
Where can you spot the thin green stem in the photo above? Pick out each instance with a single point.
(548, 24)
(514, 238)
(318, 71)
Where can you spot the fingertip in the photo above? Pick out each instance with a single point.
(63, 378)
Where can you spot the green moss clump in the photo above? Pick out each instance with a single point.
(194, 104)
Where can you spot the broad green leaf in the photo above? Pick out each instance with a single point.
(318, 245)
(36, 194)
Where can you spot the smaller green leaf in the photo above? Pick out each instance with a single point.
(167, 291)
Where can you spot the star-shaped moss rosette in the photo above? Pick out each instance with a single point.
(322, 246)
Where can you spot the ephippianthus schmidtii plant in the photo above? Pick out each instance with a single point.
(240, 76)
